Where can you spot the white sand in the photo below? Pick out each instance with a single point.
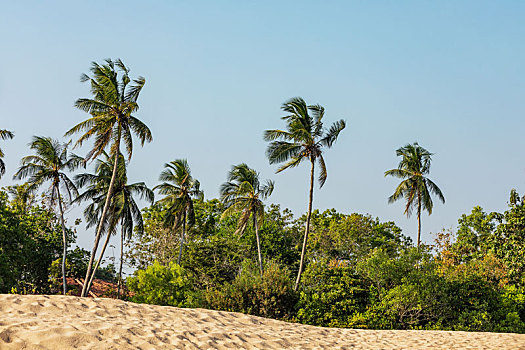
(57, 322)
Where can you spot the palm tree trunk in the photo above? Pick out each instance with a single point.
(64, 241)
(258, 241)
(418, 219)
(307, 229)
(85, 288)
(97, 264)
(121, 261)
(182, 237)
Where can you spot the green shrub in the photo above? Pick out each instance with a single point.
(270, 295)
(332, 296)
(162, 285)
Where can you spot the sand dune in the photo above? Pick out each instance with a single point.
(57, 322)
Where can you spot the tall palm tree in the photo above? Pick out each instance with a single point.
(304, 139)
(48, 163)
(243, 193)
(415, 187)
(123, 209)
(179, 189)
(112, 122)
(4, 135)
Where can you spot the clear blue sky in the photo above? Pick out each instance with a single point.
(447, 74)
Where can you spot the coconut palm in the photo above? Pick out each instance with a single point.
(48, 163)
(123, 209)
(304, 139)
(112, 122)
(243, 193)
(4, 135)
(415, 187)
(179, 189)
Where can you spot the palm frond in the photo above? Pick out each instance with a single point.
(322, 171)
(6, 134)
(333, 133)
(281, 151)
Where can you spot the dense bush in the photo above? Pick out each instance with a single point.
(270, 295)
(416, 291)
(162, 285)
(30, 240)
(333, 295)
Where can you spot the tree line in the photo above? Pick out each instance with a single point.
(236, 253)
(112, 124)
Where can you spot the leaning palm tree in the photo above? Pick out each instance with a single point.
(48, 163)
(4, 135)
(243, 193)
(415, 187)
(304, 139)
(112, 122)
(179, 189)
(123, 209)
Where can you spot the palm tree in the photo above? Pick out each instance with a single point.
(4, 135)
(304, 139)
(48, 164)
(243, 193)
(111, 108)
(123, 209)
(415, 187)
(179, 188)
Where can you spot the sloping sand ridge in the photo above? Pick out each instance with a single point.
(57, 322)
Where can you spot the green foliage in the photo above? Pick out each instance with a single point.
(30, 240)
(362, 273)
(162, 285)
(332, 295)
(270, 295)
(510, 242)
(475, 235)
(351, 237)
(215, 260)
(416, 291)
(213, 252)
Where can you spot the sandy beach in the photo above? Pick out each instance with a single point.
(57, 322)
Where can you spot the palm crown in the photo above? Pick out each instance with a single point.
(48, 163)
(179, 189)
(114, 100)
(243, 193)
(123, 208)
(304, 139)
(4, 135)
